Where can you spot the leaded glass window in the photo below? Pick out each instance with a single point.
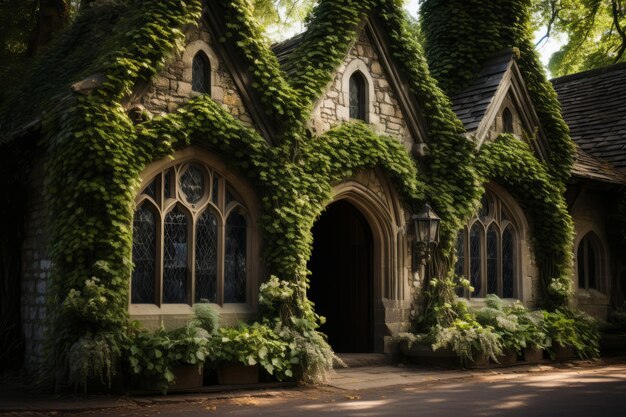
(490, 260)
(144, 255)
(206, 257)
(190, 239)
(358, 96)
(175, 243)
(201, 74)
(589, 263)
(235, 262)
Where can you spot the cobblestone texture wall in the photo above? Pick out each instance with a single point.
(386, 117)
(172, 87)
(36, 268)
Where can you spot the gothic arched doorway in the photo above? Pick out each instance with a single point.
(342, 277)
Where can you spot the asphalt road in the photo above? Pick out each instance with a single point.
(596, 392)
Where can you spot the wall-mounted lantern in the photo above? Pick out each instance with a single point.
(426, 224)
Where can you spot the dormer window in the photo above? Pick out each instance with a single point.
(201, 74)
(358, 96)
(507, 121)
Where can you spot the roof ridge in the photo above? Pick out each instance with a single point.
(589, 73)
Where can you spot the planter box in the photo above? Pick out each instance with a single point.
(444, 358)
(187, 378)
(532, 355)
(237, 374)
(563, 353)
(508, 358)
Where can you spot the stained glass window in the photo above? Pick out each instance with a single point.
(508, 262)
(175, 244)
(201, 74)
(193, 267)
(216, 189)
(150, 190)
(192, 184)
(206, 258)
(475, 259)
(357, 96)
(235, 260)
(144, 256)
(493, 245)
(492, 260)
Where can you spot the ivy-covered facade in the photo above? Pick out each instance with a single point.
(178, 159)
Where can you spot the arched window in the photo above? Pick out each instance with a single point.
(487, 250)
(507, 121)
(201, 73)
(190, 238)
(358, 96)
(589, 259)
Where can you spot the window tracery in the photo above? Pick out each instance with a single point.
(190, 242)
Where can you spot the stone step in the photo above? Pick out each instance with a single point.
(358, 360)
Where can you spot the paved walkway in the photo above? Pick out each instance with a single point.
(350, 379)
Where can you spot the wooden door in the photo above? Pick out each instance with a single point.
(341, 281)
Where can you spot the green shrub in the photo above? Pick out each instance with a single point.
(573, 328)
(93, 356)
(516, 326)
(206, 317)
(252, 345)
(154, 355)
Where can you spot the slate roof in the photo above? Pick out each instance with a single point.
(284, 50)
(471, 104)
(594, 106)
(591, 167)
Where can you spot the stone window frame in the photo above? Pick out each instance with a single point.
(357, 65)
(498, 199)
(176, 314)
(191, 50)
(591, 237)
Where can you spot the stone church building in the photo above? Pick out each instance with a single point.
(196, 230)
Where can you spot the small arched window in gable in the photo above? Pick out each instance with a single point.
(507, 121)
(358, 96)
(589, 260)
(201, 74)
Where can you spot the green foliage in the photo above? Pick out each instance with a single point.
(95, 156)
(461, 35)
(206, 318)
(92, 357)
(155, 355)
(468, 339)
(593, 31)
(573, 328)
(511, 162)
(517, 327)
(252, 345)
(292, 317)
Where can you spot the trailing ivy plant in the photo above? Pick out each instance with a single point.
(96, 154)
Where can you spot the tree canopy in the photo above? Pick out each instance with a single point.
(594, 32)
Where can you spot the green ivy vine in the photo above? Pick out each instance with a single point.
(96, 154)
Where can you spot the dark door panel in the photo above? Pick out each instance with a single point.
(341, 281)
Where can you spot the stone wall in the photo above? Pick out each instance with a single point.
(172, 86)
(385, 113)
(36, 268)
(590, 213)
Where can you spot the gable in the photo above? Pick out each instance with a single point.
(389, 109)
(500, 88)
(172, 86)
